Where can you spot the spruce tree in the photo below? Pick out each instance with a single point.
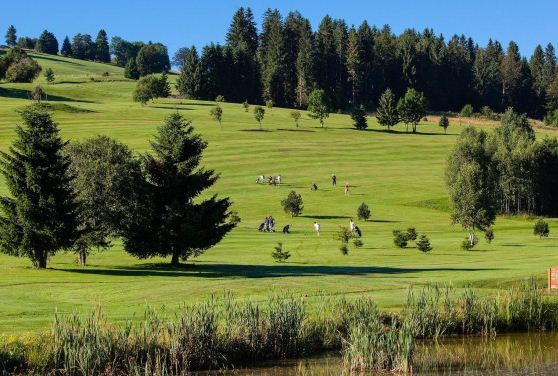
(271, 57)
(11, 37)
(188, 83)
(174, 221)
(47, 43)
(359, 117)
(66, 49)
(512, 75)
(131, 69)
(242, 44)
(354, 64)
(39, 217)
(305, 65)
(102, 47)
(387, 110)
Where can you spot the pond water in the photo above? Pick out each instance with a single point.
(510, 355)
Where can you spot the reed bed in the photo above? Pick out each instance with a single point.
(223, 333)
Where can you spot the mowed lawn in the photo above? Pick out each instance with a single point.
(400, 176)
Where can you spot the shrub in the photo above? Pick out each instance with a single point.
(467, 111)
(219, 99)
(541, 229)
(216, 114)
(259, 113)
(293, 204)
(489, 235)
(423, 244)
(359, 118)
(363, 212)
(295, 115)
(279, 254)
(466, 244)
(551, 118)
(49, 75)
(269, 104)
(151, 87)
(487, 113)
(400, 239)
(37, 94)
(444, 122)
(412, 234)
(25, 70)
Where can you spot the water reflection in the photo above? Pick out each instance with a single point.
(510, 355)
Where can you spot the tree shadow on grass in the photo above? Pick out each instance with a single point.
(256, 130)
(52, 58)
(26, 94)
(256, 271)
(381, 221)
(325, 216)
(295, 130)
(177, 108)
(201, 104)
(392, 131)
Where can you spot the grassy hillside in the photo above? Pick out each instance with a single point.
(400, 176)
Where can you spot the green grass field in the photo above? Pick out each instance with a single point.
(400, 176)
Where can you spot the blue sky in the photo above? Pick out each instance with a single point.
(185, 23)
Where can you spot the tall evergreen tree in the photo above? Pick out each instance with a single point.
(387, 72)
(66, 49)
(367, 63)
(354, 65)
(215, 72)
(177, 223)
(325, 68)
(305, 65)
(39, 217)
(102, 47)
(340, 37)
(11, 37)
(47, 43)
(488, 76)
(189, 81)
(512, 75)
(242, 41)
(549, 63)
(83, 47)
(293, 28)
(271, 57)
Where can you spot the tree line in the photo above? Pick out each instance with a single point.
(78, 196)
(355, 65)
(139, 58)
(505, 172)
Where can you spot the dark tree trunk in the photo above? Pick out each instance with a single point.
(175, 261)
(82, 258)
(40, 261)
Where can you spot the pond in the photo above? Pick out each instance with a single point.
(511, 355)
